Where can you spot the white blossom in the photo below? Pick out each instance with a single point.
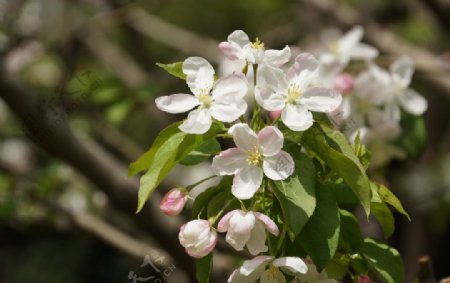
(198, 238)
(247, 229)
(296, 93)
(222, 100)
(254, 156)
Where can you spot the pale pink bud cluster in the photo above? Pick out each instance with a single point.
(344, 83)
(173, 202)
(198, 238)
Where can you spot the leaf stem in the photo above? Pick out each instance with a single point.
(190, 187)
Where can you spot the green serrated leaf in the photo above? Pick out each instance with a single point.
(382, 212)
(203, 268)
(335, 150)
(202, 153)
(389, 197)
(297, 194)
(320, 235)
(350, 232)
(170, 147)
(175, 69)
(385, 261)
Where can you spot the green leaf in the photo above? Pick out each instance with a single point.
(389, 197)
(202, 153)
(175, 69)
(382, 212)
(297, 194)
(384, 261)
(350, 232)
(290, 135)
(334, 149)
(203, 268)
(170, 147)
(203, 199)
(320, 236)
(222, 202)
(414, 136)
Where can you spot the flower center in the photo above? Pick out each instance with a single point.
(205, 99)
(254, 156)
(334, 48)
(294, 94)
(258, 45)
(272, 273)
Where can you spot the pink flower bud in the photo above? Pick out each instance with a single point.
(275, 114)
(198, 238)
(344, 83)
(364, 279)
(173, 202)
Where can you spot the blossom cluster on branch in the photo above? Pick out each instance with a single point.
(291, 181)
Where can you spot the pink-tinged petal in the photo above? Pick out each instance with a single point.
(270, 225)
(269, 277)
(269, 100)
(413, 102)
(273, 115)
(225, 221)
(246, 182)
(173, 202)
(279, 167)
(321, 99)
(362, 51)
(244, 137)
(231, 51)
(176, 103)
(239, 37)
(198, 122)
(303, 61)
(292, 264)
(228, 111)
(231, 87)
(242, 222)
(344, 83)
(257, 242)
(402, 71)
(350, 39)
(277, 58)
(364, 279)
(229, 162)
(270, 140)
(198, 238)
(199, 74)
(297, 117)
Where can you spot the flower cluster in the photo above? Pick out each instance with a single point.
(285, 95)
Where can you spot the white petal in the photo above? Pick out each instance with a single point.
(198, 122)
(413, 102)
(304, 61)
(272, 78)
(231, 87)
(277, 58)
(229, 162)
(297, 117)
(242, 222)
(246, 182)
(255, 264)
(270, 140)
(244, 137)
(279, 167)
(272, 276)
(362, 51)
(350, 39)
(228, 111)
(321, 99)
(239, 37)
(200, 74)
(176, 103)
(237, 241)
(268, 99)
(293, 264)
(257, 241)
(270, 225)
(224, 222)
(402, 71)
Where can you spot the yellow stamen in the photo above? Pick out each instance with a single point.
(257, 44)
(254, 156)
(294, 94)
(205, 99)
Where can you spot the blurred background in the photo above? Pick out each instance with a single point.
(77, 86)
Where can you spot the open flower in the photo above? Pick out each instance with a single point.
(348, 47)
(239, 47)
(247, 229)
(173, 202)
(268, 269)
(222, 100)
(253, 156)
(296, 93)
(198, 238)
(313, 276)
